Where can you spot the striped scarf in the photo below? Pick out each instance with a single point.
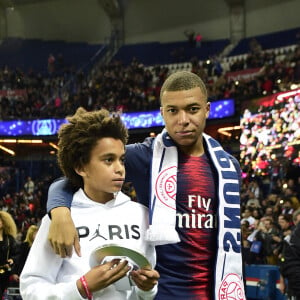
(162, 211)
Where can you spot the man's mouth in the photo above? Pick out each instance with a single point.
(184, 133)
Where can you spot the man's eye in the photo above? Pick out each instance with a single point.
(194, 109)
(171, 110)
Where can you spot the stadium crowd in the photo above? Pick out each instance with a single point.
(135, 87)
(270, 195)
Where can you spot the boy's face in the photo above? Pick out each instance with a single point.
(104, 174)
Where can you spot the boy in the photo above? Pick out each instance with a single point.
(91, 155)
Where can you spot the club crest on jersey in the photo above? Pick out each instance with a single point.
(231, 288)
(165, 187)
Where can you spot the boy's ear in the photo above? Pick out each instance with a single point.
(80, 171)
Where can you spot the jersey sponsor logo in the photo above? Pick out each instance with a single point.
(110, 232)
(195, 219)
(165, 187)
(231, 288)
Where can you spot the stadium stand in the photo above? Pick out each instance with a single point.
(32, 54)
(264, 198)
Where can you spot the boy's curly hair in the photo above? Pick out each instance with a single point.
(79, 136)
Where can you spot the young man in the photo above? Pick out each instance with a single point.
(91, 155)
(191, 186)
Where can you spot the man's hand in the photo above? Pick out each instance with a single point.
(62, 233)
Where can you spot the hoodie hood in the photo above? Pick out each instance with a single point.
(80, 199)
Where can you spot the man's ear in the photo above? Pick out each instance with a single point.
(161, 111)
(207, 109)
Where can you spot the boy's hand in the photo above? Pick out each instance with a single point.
(145, 279)
(104, 275)
(62, 233)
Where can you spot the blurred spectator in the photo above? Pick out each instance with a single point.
(51, 63)
(8, 249)
(252, 201)
(255, 46)
(29, 186)
(23, 253)
(190, 34)
(270, 244)
(255, 188)
(257, 213)
(256, 254)
(198, 40)
(290, 260)
(245, 231)
(285, 230)
(267, 85)
(287, 208)
(289, 193)
(269, 213)
(8, 202)
(247, 216)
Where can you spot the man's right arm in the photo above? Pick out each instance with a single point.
(60, 193)
(62, 233)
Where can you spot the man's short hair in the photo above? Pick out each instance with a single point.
(183, 80)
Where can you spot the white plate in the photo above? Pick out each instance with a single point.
(115, 251)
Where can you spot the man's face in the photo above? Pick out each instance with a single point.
(283, 223)
(297, 220)
(185, 113)
(267, 224)
(269, 211)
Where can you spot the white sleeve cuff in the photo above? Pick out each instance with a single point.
(146, 295)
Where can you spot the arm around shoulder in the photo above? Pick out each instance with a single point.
(62, 232)
(60, 193)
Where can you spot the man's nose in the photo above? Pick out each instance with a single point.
(183, 118)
